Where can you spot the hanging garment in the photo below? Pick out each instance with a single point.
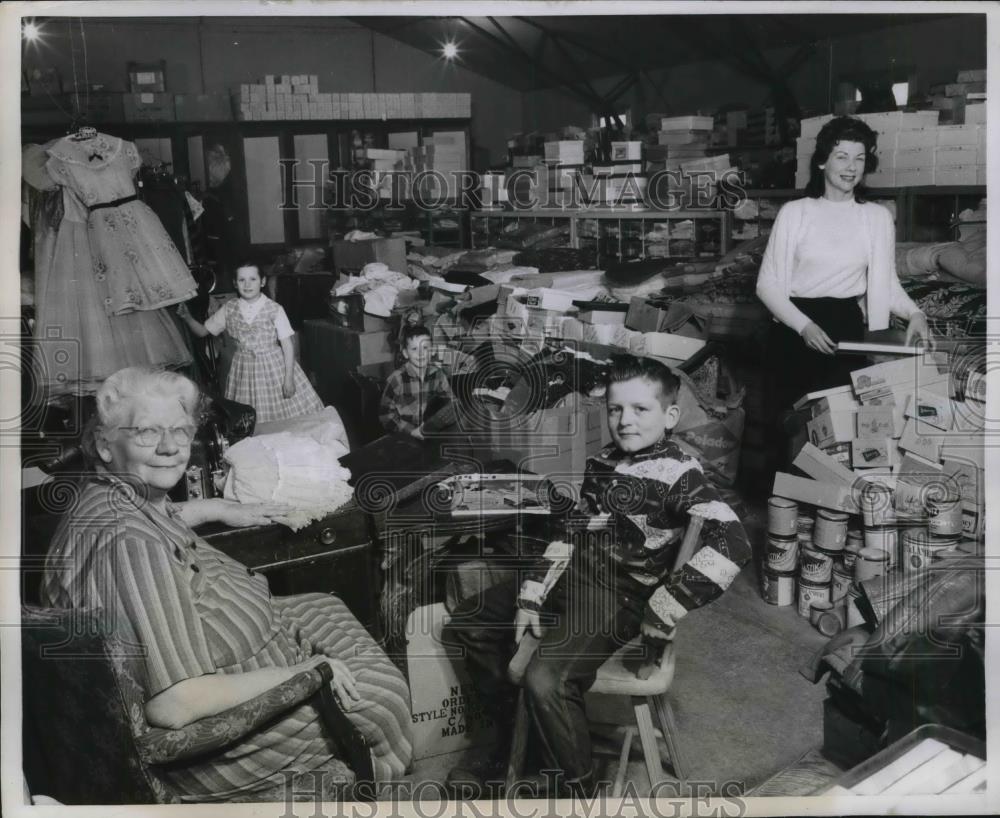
(69, 303)
(139, 265)
(160, 191)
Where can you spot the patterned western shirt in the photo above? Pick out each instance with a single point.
(407, 396)
(647, 500)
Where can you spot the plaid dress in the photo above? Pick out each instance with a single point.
(196, 611)
(258, 368)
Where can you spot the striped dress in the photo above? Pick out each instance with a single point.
(196, 611)
(258, 367)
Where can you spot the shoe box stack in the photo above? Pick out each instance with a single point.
(684, 137)
(557, 176)
(894, 482)
(945, 145)
(298, 96)
(623, 180)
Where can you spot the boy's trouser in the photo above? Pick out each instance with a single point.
(583, 623)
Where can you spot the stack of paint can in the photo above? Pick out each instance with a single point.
(778, 579)
(820, 563)
(878, 515)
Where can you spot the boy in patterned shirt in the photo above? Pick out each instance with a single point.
(595, 590)
(416, 390)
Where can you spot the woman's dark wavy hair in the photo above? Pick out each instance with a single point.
(841, 129)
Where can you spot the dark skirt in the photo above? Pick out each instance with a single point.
(794, 368)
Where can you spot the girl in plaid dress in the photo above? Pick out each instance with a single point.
(264, 373)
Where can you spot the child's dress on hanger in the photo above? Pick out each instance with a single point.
(135, 261)
(70, 309)
(258, 368)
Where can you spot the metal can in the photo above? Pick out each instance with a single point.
(817, 609)
(840, 583)
(782, 515)
(782, 553)
(778, 587)
(884, 537)
(815, 565)
(854, 543)
(810, 593)
(877, 505)
(871, 563)
(804, 524)
(920, 548)
(944, 516)
(829, 623)
(831, 530)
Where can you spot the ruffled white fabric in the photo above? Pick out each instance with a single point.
(297, 468)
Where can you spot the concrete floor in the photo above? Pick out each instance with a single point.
(743, 710)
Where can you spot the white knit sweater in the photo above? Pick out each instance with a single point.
(883, 296)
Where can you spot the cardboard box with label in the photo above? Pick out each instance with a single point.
(149, 107)
(913, 475)
(930, 412)
(448, 714)
(919, 370)
(875, 421)
(871, 453)
(829, 428)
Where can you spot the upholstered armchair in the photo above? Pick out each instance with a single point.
(86, 739)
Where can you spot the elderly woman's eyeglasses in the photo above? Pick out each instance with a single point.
(152, 435)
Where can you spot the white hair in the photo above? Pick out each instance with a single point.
(116, 396)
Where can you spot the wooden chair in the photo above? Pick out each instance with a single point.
(646, 688)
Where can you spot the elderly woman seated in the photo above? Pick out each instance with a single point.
(213, 637)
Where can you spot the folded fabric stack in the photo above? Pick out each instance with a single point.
(297, 466)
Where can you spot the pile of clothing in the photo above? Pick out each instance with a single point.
(380, 287)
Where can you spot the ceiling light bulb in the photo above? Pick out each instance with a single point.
(31, 32)
(450, 51)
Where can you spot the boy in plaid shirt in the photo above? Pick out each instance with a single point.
(596, 590)
(416, 390)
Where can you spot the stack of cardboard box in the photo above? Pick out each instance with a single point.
(685, 137)
(557, 175)
(894, 128)
(537, 314)
(298, 97)
(954, 99)
(945, 145)
(900, 450)
(900, 424)
(443, 154)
